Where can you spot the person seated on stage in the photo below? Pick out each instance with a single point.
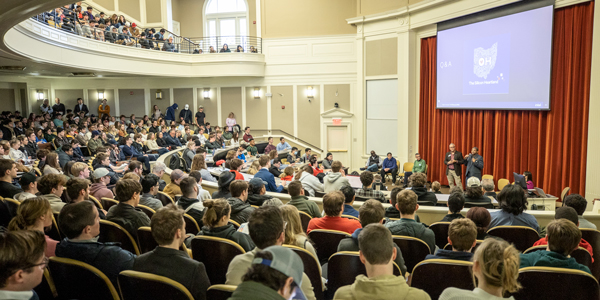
(216, 223)
(496, 267)
(482, 218)
(125, 213)
(579, 203)
(474, 192)
(570, 214)
(529, 180)
(563, 238)
(389, 166)
(336, 179)
(406, 203)
(513, 202)
(256, 192)
(366, 178)
(462, 236)
(300, 200)
(149, 191)
(418, 182)
(373, 163)
(333, 204)
(371, 212)
(240, 208)
(349, 195)
(22, 263)
(80, 223)
(266, 176)
(173, 188)
(488, 188)
(168, 230)
(456, 202)
(377, 253)
(436, 187)
(419, 166)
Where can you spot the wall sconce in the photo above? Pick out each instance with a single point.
(206, 93)
(159, 94)
(256, 93)
(100, 95)
(39, 95)
(310, 92)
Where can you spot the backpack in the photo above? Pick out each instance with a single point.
(177, 162)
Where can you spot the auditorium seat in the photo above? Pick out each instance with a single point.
(46, 289)
(311, 269)
(440, 229)
(54, 232)
(142, 286)
(191, 226)
(305, 219)
(220, 291)
(69, 274)
(13, 205)
(96, 202)
(326, 242)
(216, 254)
(487, 176)
(413, 250)
(556, 284)
(522, 237)
(564, 193)
(147, 210)
(107, 203)
(435, 275)
(350, 217)
(164, 198)
(113, 232)
(592, 236)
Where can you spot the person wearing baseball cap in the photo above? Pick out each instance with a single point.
(28, 183)
(101, 179)
(256, 192)
(275, 262)
(474, 192)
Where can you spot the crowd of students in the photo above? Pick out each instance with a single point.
(267, 270)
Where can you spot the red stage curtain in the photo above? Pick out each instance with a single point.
(552, 145)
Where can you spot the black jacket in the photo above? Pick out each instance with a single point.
(458, 157)
(424, 195)
(240, 210)
(192, 207)
(31, 149)
(482, 199)
(128, 217)
(229, 232)
(218, 195)
(392, 212)
(59, 108)
(83, 108)
(109, 258)
(492, 194)
(275, 171)
(176, 265)
(258, 200)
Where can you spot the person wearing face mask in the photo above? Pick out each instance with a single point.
(186, 115)
(373, 163)
(293, 156)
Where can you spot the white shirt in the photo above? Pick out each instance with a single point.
(203, 194)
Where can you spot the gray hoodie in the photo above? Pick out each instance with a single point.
(334, 182)
(310, 183)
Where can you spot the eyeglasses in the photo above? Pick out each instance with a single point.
(42, 265)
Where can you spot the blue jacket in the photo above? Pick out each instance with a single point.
(266, 176)
(171, 112)
(129, 151)
(172, 141)
(350, 211)
(389, 163)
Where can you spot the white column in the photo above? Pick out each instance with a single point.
(117, 106)
(195, 101)
(143, 18)
(171, 98)
(243, 107)
(405, 57)
(360, 99)
(268, 106)
(322, 127)
(258, 22)
(592, 188)
(17, 93)
(147, 100)
(219, 118)
(295, 106)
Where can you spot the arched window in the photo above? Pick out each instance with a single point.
(226, 22)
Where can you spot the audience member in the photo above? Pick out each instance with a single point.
(235, 167)
(300, 201)
(80, 223)
(563, 238)
(310, 182)
(125, 213)
(202, 193)
(406, 203)
(224, 183)
(270, 147)
(22, 263)
(456, 202)
(159, 170)
(168, 230)
(52, 165)
(189, 200)
(240, 209)
(216, 223)
(462, 236)
(173, 188)
(80, 170)
(435, 187)
(482, 218)
(266, 228)
(28, 183)
(294, 233)
(418, 182)
(257, 192)
(336, 179)
(266, 176)
(349, 196)
(35, 214)
(496, 268)
(488, 188)
(274, 169)
(8, 169)
(577, 202)
(150, 190)
(391, 211)
(77, 190)
(371, 212)
(513, 201)
(333, 204)
(367, 191)
(101, 179)
(377, 253)
(51, 187)
(474, 192)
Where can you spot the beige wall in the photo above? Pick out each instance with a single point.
(368, 7)
(162, 103)
(153, 11)
(381, 57)
(131, 7)
(231, 101)
(189, 14)
(132, 104)
(306, 18)
(309, 117)
(94, 103)
(7, 98)
(68, 97)
(108, 4)
(342, 98)
(256, 109)
(282, 119)
(211, 106)
(183, 97)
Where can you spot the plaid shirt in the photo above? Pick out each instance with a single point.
(371, 194)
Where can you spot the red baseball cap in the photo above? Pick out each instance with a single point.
(133, 25)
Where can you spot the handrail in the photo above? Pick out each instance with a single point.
(295, 138)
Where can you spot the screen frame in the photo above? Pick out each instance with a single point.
(490, 14)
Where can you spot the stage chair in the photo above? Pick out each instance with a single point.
(413, 250)
(564, 193)
(69, 274)
(440, 229)
(113, 232)
(305, 219)
(141, 286)
(556, 284)
(435, 275)
(522, 237)
(502, 183)
(216, 254)
(312, 269)
(326, 242)
(220, 291)
(487, 176)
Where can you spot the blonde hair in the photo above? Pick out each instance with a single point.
(436, 186)
(288, 171)
(28, 212)
(499, 264)
(198, 163)
(254, 167)
(132, 176)
(77, 168)
(294, 225)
